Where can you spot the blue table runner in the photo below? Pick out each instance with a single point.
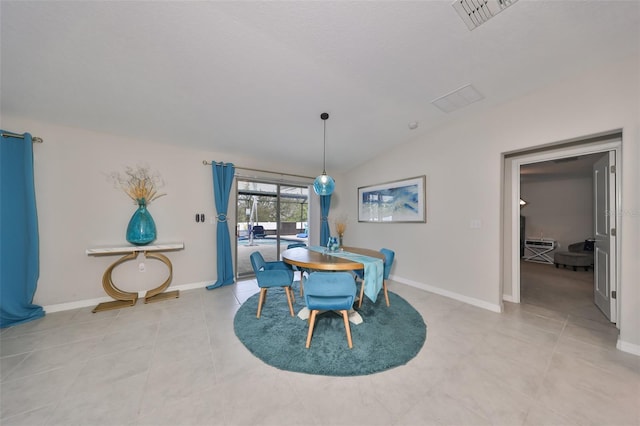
(373, 269)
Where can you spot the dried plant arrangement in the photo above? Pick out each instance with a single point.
(139, 183)
(341, 225)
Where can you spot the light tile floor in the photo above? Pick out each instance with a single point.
(178, 362)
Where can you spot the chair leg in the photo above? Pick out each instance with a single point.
(301, 283)
(289, 294)
(386, 294)
(361, 294)
(263, 293)
(345, 316)
(312, 321)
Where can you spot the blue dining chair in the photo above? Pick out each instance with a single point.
(271, 274)
(294, 245)
(389, 256)
(330, 291)
(297, 268)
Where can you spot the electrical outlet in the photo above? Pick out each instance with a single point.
(142, 267)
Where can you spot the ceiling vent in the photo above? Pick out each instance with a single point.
(476, 12)
(457, 99)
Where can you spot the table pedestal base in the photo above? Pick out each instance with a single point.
(115, 304)
(125, 299)
(162, 296)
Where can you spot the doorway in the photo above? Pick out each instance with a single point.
(558, 216)
(270, 216)
(511, 214)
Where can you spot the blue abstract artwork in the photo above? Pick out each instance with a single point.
(401, 201)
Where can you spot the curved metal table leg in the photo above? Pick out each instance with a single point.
(126, 299)
(123, 298)
(156, 294)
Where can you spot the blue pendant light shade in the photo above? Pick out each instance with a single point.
(324, 184)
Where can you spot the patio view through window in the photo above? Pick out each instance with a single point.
(270, 216)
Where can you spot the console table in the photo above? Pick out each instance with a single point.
(538, 249)
(125, 298)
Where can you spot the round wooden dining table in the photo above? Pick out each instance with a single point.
(310, 259)
(316, 261)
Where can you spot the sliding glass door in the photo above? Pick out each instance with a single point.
(270, 216)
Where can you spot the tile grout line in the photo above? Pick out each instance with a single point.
(546, 370)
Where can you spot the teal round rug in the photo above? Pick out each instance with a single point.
(387, 337)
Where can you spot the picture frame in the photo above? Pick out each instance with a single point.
(399, 201)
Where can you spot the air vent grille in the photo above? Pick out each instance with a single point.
(476, 12)
(458, 98)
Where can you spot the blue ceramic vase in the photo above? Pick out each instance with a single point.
(141, 229)
(332, 244)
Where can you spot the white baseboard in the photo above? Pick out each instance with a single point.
(74, 305)
(628, 347)
(93, 302)
(508, 298)
(450, 294)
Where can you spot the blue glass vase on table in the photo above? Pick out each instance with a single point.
(333, 244)
(141, 229)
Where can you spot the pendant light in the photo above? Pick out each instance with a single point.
(324, 184)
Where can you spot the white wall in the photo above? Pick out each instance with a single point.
(78, 208)
(462, 163)
(561, 209)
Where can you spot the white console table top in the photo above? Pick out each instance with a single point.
(540, 241)
(96, 251)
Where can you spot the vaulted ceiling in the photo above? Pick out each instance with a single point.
(253, 77)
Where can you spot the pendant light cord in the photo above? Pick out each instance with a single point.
(324, 149)
(324, 184)
(324, 116)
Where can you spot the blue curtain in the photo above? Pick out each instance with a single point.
(19, 244)
(325, 231)
(222, 181)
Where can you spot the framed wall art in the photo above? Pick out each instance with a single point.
(393, 202)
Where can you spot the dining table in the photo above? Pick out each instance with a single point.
(316, 258)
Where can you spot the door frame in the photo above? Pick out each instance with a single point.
(512, 167)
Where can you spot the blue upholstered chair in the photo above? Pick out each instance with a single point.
(330, 291)
(294, 245)
(389, 256)
(271, 274)
(297, 268)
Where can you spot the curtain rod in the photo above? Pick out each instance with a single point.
(34, 139)
(208, 163)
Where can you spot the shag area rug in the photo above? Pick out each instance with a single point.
(387, 337)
